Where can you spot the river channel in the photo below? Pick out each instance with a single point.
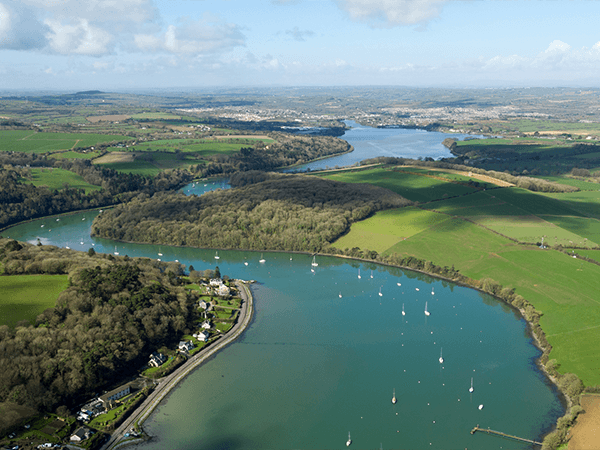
(327, 349)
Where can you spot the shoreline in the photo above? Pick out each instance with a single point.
(165, 386)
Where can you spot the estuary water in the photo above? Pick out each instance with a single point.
(326, 350)
(369, 142)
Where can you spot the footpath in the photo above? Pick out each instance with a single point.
(164, 386)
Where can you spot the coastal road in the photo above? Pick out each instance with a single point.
(169, 382)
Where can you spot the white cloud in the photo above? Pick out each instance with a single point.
(98, 11)
(193, 37)
(19, 28)
(389, 13)
(81, 38)
(299, 35)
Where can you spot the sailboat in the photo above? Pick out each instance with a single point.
(216, 255)
(349, 441)
(261, 260)
(403, 313)
(340, 296)
(371, 273)
(471, 388)
(394, 397)
(426, 312)
(399, 284)
(417, 289)
(314, 262)
(441, 357)
(432, 293)
(159, 253)
(245, 263)
(380, 294)
(359, 273)
(116, 252)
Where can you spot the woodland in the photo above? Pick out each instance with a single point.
(283, 212)
(115, 312)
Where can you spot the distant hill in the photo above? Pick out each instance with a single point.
(89, 93)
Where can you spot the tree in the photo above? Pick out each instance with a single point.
(217, 272)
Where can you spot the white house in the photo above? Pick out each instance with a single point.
(157, 359)
(81, 434)
(206, 325)
(186, 346)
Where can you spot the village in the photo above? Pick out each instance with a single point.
(218, 305)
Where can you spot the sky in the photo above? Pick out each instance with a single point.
(197, 44)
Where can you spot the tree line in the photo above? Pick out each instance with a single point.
(22, 201)
(282, 212)
(115, 312)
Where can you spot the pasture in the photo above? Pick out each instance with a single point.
(55, 178)
(562, 288)
(411, 184)
(30, 141)
(24, 297)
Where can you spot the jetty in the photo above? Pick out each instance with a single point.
(500, 433)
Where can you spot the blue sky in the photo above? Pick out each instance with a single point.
(126, 44)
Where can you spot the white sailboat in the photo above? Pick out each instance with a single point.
(340, 296)
(349, 441)
(261, 260)
(394, 397)
(471, 388)
(441, 357)
(245, 263)
(426, 312)
(399, 284)
(314, 262)
(403, 313)
(359, 273)
(216, 255)
(371, 273)
(432, 293)
(116, 252)
(417, 289)
(380, 294)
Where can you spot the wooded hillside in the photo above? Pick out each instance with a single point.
(285, 212)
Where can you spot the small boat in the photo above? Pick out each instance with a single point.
(57, 220)
(340, 296)
(480, 407)
(83, 218)
(290, 258)
(471, 388)
(245, 263)
(371, 273)
(394, 397)
(417, 289)
(380, 294)
(432, 293)
(441, 357)
(399, 284)
(314, 262)
(160, 254)
(116, 252)
(403, 313)
(68, 248)
(349, 441)
(216, 255)
(81, 242)
(426, 312)
(41, 226)
(359, 274)
(262, 260)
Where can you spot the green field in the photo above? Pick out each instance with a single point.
(200, 147)
(564, 289)
(76, 155)
(24, 297)
(584, 203)
(58, 178)
(411, 184)
(33, 142)
(583, 185)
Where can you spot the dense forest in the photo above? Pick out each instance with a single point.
(267, 211)
(22, 201)
(287, 151)
(116, 311)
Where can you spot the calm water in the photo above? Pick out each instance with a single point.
(370, 142)
(313, 366)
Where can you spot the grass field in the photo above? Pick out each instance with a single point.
(33, 142)
(584, 203)
(414, 185)
(58, 178)
(564, 289)
(583, 185)
(24, 297)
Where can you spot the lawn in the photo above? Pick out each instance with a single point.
(58, 178)
(586, 203)
(411, 184)
(24, 297)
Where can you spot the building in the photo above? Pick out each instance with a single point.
(111, 397)
(157, 359)
(81, 434)
(206, 325)
(186, 346)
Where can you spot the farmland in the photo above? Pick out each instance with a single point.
(55, 178)
(26, 296)
(37, 142)
(478, 234)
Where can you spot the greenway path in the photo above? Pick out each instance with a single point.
(164, 386)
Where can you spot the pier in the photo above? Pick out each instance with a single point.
(499, 433)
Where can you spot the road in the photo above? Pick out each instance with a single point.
(169, 382)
